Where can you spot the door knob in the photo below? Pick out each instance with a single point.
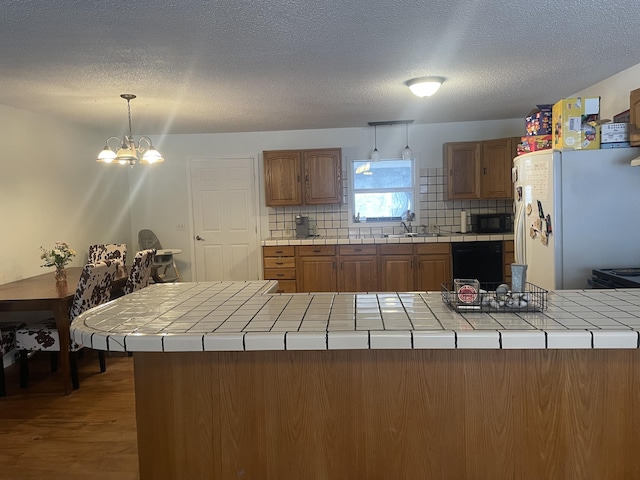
(199, 238)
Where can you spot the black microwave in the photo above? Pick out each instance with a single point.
(492, 223)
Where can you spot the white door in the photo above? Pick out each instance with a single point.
(223, 197)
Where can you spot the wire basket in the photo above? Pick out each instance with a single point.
(495, 298)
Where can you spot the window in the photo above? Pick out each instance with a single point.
(383, 191)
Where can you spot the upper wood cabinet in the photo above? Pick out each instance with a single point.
(478, 170)
(463, 163)
(497, 161)
(303, 177)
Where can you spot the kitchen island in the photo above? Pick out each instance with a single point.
(233, 381)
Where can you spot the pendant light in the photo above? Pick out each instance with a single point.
(128, 151)
(375, 155)
(407, 154)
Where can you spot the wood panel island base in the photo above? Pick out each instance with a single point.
(235, 382)
(389, 414)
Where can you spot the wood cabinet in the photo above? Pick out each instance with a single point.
(280, 264)
(477, 170)
(417, 266)
(509, 257)
(497, 162)
(316, 268)
(634, 117)
(396, 267)
(303, 177)
(433, 266)
(358, 268)
(463, 163)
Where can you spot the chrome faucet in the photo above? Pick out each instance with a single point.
(406, 229)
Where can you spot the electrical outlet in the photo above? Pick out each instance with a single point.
(287, 232)
(180, 227)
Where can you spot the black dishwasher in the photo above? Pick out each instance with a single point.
(480, 260)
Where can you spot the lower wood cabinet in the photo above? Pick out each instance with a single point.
(396, 267)
(359, 268)
(316, 268)
(433, 266)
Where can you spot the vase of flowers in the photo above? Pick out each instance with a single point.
(58, 257)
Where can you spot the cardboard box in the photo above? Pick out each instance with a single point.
(614, 132)
(538, 122)
(575, 123)
(534, 143)
(615, 145)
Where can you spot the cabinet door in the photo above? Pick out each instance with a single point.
(396, 273)
(358, 274)
(497, 160)
(282, 178)
(322, 176)
(463, 170)
(634, 117)
(432, 271)
(317, 274)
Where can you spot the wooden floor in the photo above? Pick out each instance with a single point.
(88, 434)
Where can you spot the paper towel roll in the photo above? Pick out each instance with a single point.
(463, 222)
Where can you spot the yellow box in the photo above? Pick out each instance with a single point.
(575, 124)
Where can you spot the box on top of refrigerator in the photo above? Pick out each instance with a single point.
(575, 123)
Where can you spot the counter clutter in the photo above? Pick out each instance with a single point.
(237, 316)
(382, 239)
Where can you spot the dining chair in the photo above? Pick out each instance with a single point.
(108, 251)
(140, 272)
(94, 288)
(7, 344)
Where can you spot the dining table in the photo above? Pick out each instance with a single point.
(44, 293)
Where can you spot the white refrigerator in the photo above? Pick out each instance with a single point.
(575, 211)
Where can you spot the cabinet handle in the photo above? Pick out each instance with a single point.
(485, 170)
(279, 263)
(306, 178)
(334, 265)
(279, 251)
(298, 177)
(317, 251)
(341, 265)
(358, 249)
(279, 274)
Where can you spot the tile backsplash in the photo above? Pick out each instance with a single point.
(434, 210)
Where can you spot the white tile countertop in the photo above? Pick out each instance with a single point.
(380, 239)
(237, 316)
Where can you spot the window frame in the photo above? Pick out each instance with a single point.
(415, 192)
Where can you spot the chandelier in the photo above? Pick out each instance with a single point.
(128, 151)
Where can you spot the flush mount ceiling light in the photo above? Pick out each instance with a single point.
(128, 152)
(424, 86)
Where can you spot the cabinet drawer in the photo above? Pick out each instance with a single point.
(428, 248)
(357, 249)
(279, 262)
(406, 249)
(287, 286)
(311, 250)
(278, 251)
(279, 273)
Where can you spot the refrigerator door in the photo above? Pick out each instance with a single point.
(537, 210)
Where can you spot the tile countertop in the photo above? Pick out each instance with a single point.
(237, 316)
(369, 239)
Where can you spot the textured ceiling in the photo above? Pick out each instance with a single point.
(263, 65)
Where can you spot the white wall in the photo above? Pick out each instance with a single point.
(614, 91)
(160, 200)
(51, 189)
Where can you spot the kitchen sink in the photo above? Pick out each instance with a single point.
(406, 235)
